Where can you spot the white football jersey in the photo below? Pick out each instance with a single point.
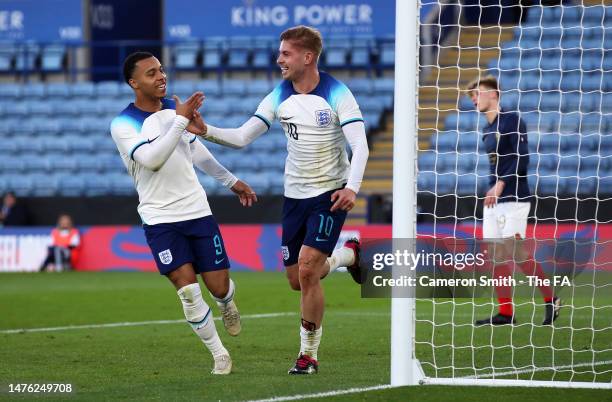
(172, 193)
(317, 160)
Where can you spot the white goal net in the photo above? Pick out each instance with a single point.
(553, 64)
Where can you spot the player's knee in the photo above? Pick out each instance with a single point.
(308, 271)
(294, 283)
(219, 291)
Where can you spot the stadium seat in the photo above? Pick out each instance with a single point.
(52, 57)
(186, 55)
(263, 51)
(71, 186)
(57, 90)
(7, 56)
(27, 56)
(34, 90)
(427, 161)
(107, 89)
(213, 52)
(10, 91)
(234, 87)
(239, 52)
(82, 90)
(43, 185)
(259, 88)
(96, 184)
(121, 184)
(22, 186)
(467, 184)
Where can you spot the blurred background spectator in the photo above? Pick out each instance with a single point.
(12, 213)
(65, 244)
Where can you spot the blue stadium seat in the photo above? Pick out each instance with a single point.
(549, 143)
(7, 56)
(427, 161)
(71, 186)
(81, 146)
(62, 164)
(258, 181)
(383, 86)
(446, 183)
(43, 185)
(468, 142)
(52, 57)
(549, 185)
(209, 87)
(96, 184)
(426, 182)
(36, 163)
(57, 90)
(22, 186)
(8, 91)
(88, 165)
(239, 51)
(8, 147)
(112, 163)
(569, 123)
(182, 88)
(234, 87)
(247, 163)
(122, 184)
(27, 56)
(445, 141)
(17, 109)
(605, 185)
(82, 90)
(213, 53)
(34, 90)
(467, 184)
(211, 186)
(259, 88)
(186, 55)
(262, 51)
(360, 86)
(360, 54)
(107, 89)
(387, 53)
(40, 109)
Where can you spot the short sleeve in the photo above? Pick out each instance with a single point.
(126, 134)
(347, 108)
(266, 111)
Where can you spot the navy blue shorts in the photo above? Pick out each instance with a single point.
(310, 222)
(196, 241)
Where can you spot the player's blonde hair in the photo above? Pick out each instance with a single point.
(305, 37)
(488, 81)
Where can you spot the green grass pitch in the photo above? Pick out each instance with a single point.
(167, 362)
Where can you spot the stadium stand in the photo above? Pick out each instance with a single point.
(44, 155)
(559, 76)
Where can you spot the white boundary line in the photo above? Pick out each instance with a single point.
(379, 387)
(129, 324)
(322, 394)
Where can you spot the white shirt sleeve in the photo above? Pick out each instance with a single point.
(206, 162)
(347, 108)
(150, 148)
(356, 137)
(237, 137)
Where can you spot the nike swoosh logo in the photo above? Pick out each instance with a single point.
(317, 239)
(218, 261)
(286, 118)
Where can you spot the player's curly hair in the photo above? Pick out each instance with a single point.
(305, 37)
(129, 65)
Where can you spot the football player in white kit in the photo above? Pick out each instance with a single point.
(319, 115)
(154, 140)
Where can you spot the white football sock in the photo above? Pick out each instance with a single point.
(222, 302)
(341, 257)
(200, 317)
(309, 341)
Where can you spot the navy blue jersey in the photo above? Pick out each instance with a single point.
(505, 141)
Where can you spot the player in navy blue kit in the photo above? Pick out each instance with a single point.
(153, 136)
(508, 201)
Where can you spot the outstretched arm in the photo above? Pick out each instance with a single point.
(206, 162)
(231, 137)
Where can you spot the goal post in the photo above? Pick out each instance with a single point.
(554, 67)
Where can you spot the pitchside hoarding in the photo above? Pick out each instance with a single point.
(189, 19)
(250, 247)
(41, 20)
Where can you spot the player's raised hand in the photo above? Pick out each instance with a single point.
(343, 199)
(245, 193)
(193, 103)
(197, 125)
